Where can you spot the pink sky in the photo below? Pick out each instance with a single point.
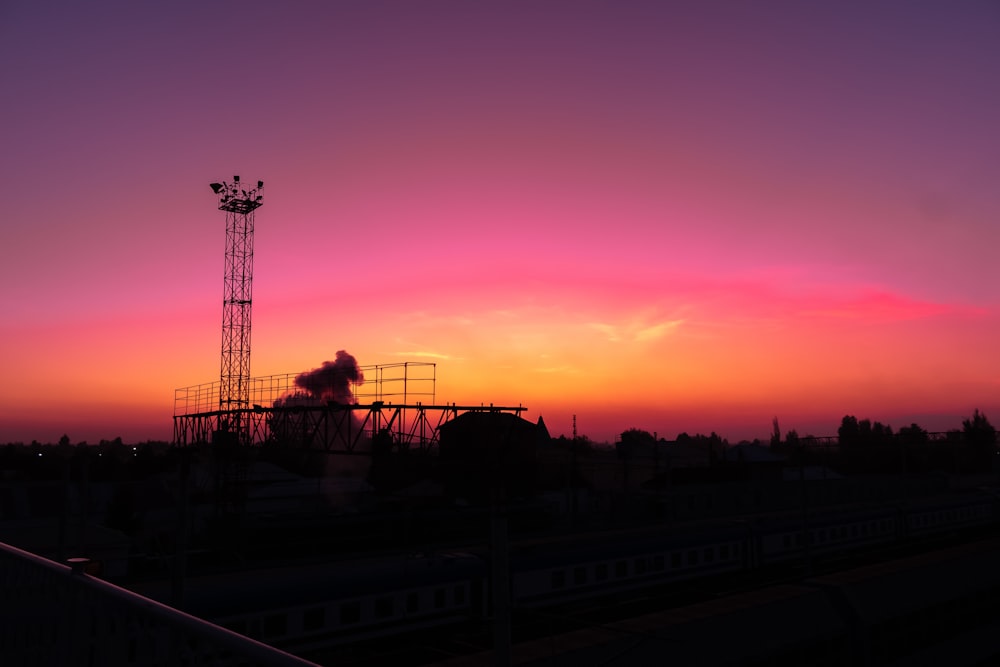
(670, 216)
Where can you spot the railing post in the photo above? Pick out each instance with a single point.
(78, 565)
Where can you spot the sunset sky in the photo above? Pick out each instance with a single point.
(675, 216)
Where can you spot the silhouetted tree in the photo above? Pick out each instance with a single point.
(634, 441)
(914, 448)
(980, 439)
(866, 446)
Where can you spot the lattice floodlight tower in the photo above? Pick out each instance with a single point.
(237, 298)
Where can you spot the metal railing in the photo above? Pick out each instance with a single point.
(54, 614)
(402, 382)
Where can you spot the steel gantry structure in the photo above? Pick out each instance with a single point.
(397, 407)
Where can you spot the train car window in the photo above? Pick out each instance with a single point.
(439, 599)
(640, 565)
(675, 559)
(709, 554)
(621, 569)
(412, 603)
(692, 557)
(459, 594)
(383, 607)
(786, 540)
(275, 625)
(580, 576)
(854, 530)
(601, 571)
(558, 579)
(350, 612)
(313, 619)
(736, 550)
(724, 552)
(658, 563)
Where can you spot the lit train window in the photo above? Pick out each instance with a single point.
(313, 619)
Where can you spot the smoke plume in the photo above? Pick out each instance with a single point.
(333, 380)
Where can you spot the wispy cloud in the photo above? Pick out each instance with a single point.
(637, 331)
(883, 306)
(609, 330)
(424, 354)
(657, 330)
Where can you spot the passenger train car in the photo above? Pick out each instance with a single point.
(318, 606)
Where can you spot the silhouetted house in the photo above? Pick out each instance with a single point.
(686, 462)
(686, 455)
(485, 452)
(754, 461)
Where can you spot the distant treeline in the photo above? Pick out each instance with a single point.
(109, 460)
(861, 445)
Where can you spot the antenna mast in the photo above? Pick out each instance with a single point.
(234, 389)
